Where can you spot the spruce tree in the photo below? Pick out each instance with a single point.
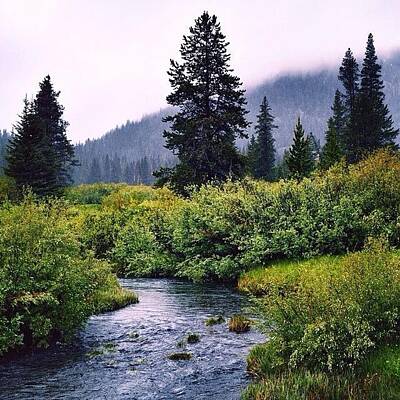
(264, 159)
(332, 151)
(374, 121)
(349, 76)
(315, 145)
(25, 157)
(300, 160)
(40, 155)
(282, 170)
(339, 117)
(211, 112)
(252, 155)
(59, 151)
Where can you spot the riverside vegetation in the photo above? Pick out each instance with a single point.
(332, 319)
(316, 249)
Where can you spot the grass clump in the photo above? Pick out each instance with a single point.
(239, 324)
(193, 338)
(180, 356)
(214, 320)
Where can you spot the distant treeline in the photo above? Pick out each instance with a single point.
(107, 169)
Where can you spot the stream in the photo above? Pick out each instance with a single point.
(124, 354)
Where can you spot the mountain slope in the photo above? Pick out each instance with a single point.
(307, 95)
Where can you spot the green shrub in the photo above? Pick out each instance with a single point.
(90, 194)
(332, 315)
(8, 189)
(377, 378)
(48, 284)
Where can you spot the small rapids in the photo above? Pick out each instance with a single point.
(124, 354)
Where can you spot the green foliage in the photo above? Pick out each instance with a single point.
(239, 323)
(222, 231)
(374, 122)
(261, 152)
(89, 194)
(368, 123)
(300, 160)
(308, 385)
(210, 114)
(48, 284)
(331, 315)
(332, 151)
(8, 190)
(39, 154)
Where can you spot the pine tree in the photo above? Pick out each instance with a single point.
(374, 121)
(339, 117)
(211, 110)
(332, 151)
(264, 149)
(25, 158)
(282, 170)
(300, 161)
(252, 155)
(315, 145)
(349, 76)
(40, 155)
(59, 151)
(94, 172)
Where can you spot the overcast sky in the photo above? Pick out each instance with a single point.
(109, 57)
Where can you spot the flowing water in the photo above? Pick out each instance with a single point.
(124, 354)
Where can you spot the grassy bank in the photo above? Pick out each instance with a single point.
(333, 327)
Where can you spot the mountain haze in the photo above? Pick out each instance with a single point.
(308, 95)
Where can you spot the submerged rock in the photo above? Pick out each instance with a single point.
(179, 356)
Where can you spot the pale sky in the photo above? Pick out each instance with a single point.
(109, 57)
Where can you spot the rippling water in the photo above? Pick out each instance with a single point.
(123, 354)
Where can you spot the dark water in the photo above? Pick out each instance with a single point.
(138, 368)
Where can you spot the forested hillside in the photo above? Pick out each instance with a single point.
(130, 152)
(307, 95)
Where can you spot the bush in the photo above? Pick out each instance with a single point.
(332, 315)
(90, 194)
(225, 230)
(8, 189)
(48, 284)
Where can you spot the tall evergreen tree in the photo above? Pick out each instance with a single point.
(332, 151)
(349, 76)
(282, 170)
(339, 117)
(374, 122)
(25, 157)
(211, 110)
(94, 172)
(315, 145)
(40, 155)
(59, 150)
(263, 148)
(300, 160)
(252, 155)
